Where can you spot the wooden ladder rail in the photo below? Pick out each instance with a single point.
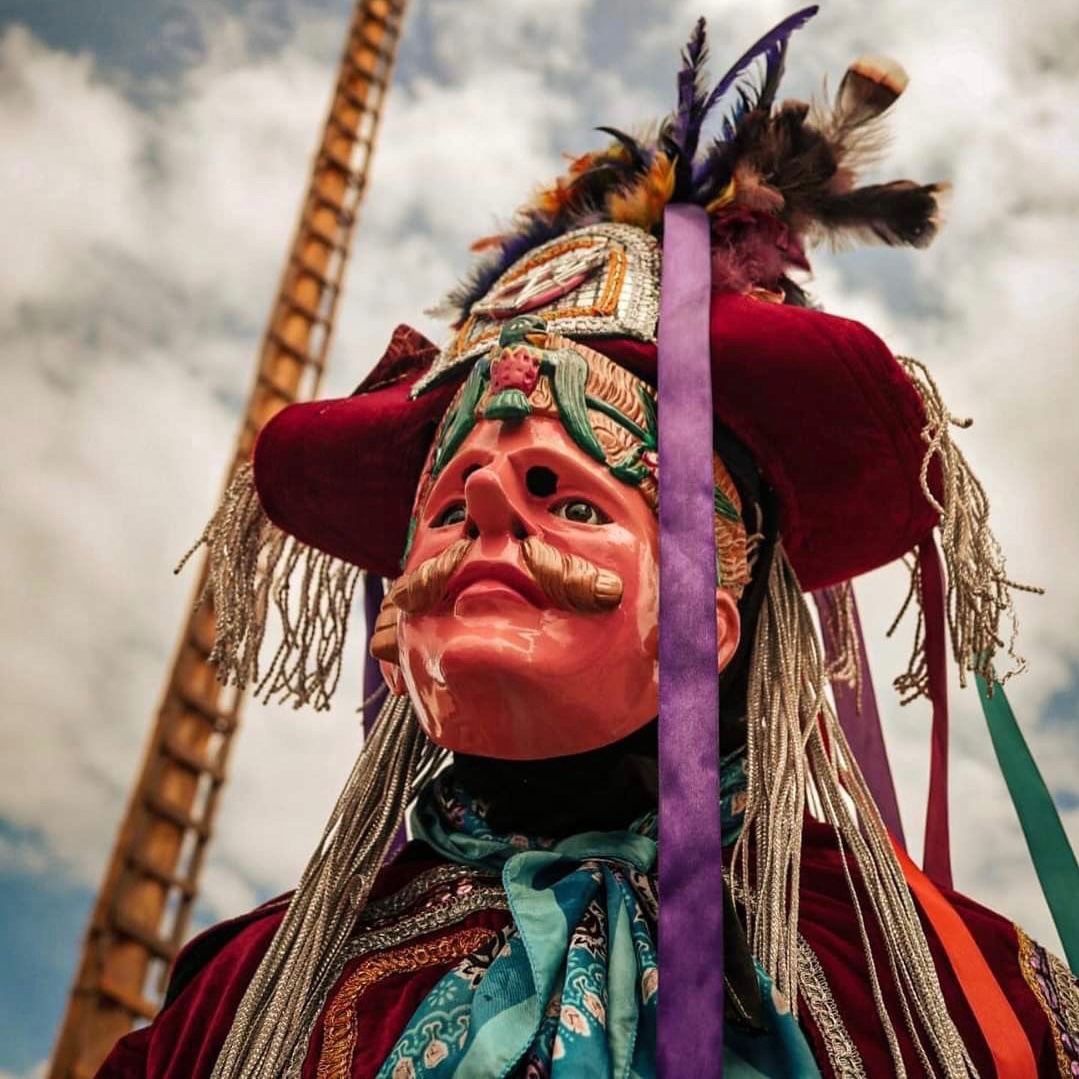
(143, 908)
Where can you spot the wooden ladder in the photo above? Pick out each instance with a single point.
(142, 911)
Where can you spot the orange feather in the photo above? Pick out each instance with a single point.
(643, 203)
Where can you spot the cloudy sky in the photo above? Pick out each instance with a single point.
(153, 157)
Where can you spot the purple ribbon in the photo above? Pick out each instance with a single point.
(372, 676)
(690, 1038)
(860, 720)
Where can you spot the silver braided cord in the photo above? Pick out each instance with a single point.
(257, 572)
(797, 755)
(281, 1004)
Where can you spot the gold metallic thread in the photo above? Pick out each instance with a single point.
(796, 756)
(256, 569)
(339, 1025)
(978, 602)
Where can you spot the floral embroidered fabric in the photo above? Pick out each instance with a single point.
(571, 987)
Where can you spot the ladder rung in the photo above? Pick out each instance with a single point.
(306, 310)
(331, 240)
(208, 712)
(360, 104)
(155, 945)
(376, 78)
(288, 349)
(318, 201)
(175, 815)
(313, 272)
(195, 761)
(370, 96)
(143, 865)
(347, 130)
(267, 382)
(331, 157)
(385, 21)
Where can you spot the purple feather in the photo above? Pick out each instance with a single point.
(691, 92)
(771, 47)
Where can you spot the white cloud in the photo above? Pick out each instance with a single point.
(38, 1071)
(142, 250)
(147, 246)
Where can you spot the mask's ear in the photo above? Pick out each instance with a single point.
(728, 627)
(384, 645)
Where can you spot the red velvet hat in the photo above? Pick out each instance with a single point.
(832, 419)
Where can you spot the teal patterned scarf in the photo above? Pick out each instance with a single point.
(570, 988)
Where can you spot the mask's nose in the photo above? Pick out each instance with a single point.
(490, 508)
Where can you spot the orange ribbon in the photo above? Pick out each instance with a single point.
(1000, 1026)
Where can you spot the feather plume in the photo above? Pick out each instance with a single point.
(635, 155)
(692, 108)
(691, 90)
(869, 88)
(643, 203)
(899, 213)
(771, 48)
(791, 165)
(852, 127)
(713, 173)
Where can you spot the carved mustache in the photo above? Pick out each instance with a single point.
(568, 581)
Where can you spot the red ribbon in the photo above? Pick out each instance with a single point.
(937, 858)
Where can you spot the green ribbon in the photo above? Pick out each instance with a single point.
(1052, 855)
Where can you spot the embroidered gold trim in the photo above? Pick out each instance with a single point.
(619, 297)
(1067, 987)
(339, 1029)
(842, 1053)
(427, 920)
(606, 304)
(388, 906)
(1066, 990)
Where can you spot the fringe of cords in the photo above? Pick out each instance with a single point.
(268, 1038)
(797, 755)
(980, 613)
(256, 569)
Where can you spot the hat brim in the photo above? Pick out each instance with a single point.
(830, 416)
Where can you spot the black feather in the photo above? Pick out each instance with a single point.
(630, 145)
(899, 213)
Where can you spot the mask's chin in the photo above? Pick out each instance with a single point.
(515, 695)
(509, 729)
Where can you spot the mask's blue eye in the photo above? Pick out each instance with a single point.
(580, 512)
(451, 515)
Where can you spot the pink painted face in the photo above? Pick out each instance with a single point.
(499, 666)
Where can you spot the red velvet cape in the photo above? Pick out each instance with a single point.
(183, 1041)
